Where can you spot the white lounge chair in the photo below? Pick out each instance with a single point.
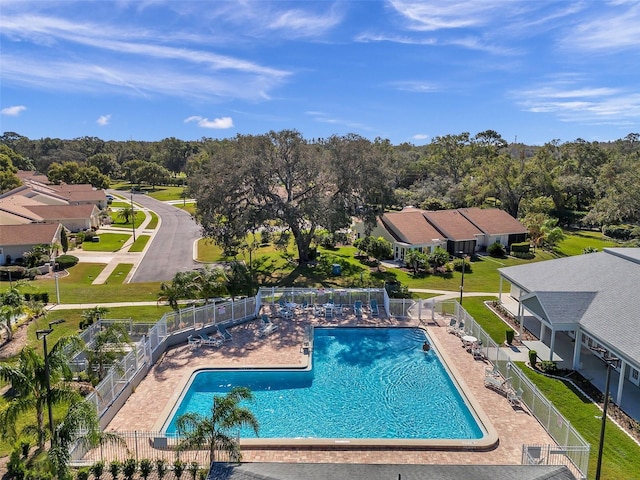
(210, 342)
(453, 325)
(357, 308)
(267, 329)
(193, 342)
(497, 383)
(515, 398)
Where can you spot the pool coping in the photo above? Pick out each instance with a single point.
(489, 441)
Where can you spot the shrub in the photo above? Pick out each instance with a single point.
(79, 240)
(533, 357)
(524, 256)
(66, 261)
(620, 232)
(15, 467)
(496, 250)
(510, 335)
(193, 470)
(83, 474)
(522, 247)
(114, 469)
(129, 468)
(265, 237)
(145, 467)
(178, 468)
(88, 236)
(457, 265)
(548, 366)
(161, 468)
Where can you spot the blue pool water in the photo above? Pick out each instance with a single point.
(365, 383)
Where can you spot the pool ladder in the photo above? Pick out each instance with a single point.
(307, 342)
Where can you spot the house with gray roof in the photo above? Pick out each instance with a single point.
(594, 299)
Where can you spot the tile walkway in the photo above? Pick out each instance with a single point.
(152, 400)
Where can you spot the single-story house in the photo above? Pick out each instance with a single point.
(592, 298)
(15, 240)
(496, 226)
(75, 218)
(465, 230)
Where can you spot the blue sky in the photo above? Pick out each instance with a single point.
(406, 71)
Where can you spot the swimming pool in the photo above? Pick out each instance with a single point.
(365, 383)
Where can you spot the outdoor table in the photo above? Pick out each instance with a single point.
(469, 339)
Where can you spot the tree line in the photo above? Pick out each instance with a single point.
(280, 180)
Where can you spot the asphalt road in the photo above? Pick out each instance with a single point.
(171, 250)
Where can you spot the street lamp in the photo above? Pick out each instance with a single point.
(42, 335)
(462, 256)
(133, 212)
(611, 362)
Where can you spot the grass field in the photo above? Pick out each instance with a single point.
(109, 242)
(77, 287)
(153, 223)
(116, 221)
(576, 241)
(166, 193)
(189, 207)
(140, 243)
(120, 273)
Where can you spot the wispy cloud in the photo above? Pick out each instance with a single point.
(326, 118)
(103, 120)
(415, 86)
(216, 123)
(13, 111)
(420, 136)
(430, 16)
(612, 30)
(301, 23)
(585, 105)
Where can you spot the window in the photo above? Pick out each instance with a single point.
(634, 374)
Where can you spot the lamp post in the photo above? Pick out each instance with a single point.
(462, 256)
(42, 335)
(611, 362)
(55, 276)
(133, 212)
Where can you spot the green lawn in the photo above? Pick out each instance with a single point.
(621, 456)
(165, 193)
(77, 287)
(120, 273)
(119, 204)
(116, 221)
(140, 243)
(153, 223)
(576, 241)
(109, 242)
(189, 207)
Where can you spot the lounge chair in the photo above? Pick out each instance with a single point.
(460, 331)
(453, 325)
(497, 383)
(373, 306)
(210, 342)
(477, 352)
(265, 319)
(357, 308)
(515, 398)
(193, 342)
(267, 329)
(224, 333)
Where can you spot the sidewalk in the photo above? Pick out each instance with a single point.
(113, 259)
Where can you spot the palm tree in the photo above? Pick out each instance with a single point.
(210, 282)
(28, 380)
(127, 213)
(214, 430)
(14, 301)
(183, 286)
(108, 345)
(79, 425)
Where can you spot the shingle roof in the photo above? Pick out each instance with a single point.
(602, 288)
(28, 234)
(493, 221)
(58, 212)
(331, 471)
(410, 226)
(453, 225)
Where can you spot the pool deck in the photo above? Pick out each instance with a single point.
(149, 405)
